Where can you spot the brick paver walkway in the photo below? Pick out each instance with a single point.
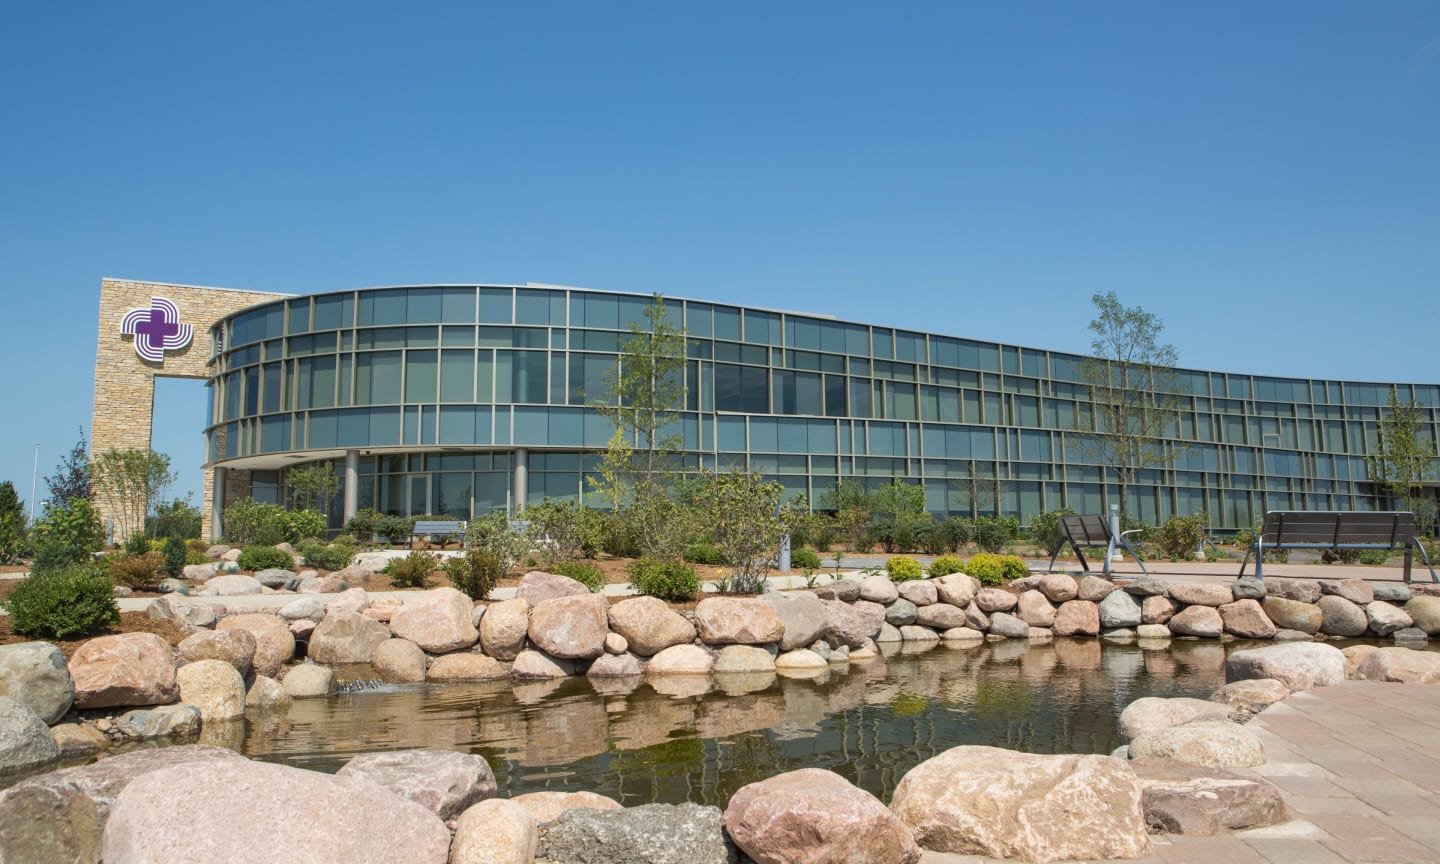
(1359, 765)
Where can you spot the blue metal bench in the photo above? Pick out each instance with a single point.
(1337, 530)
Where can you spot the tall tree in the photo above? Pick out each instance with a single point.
(313, 487)
(1405, 457)
(71, 480)
(1132, 383)
(645, 393)
(128, 483)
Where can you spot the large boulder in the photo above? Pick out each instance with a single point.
(444, 782)
(308, 681)
(438, 621)
(266, 694)
(1153, 713)
(35, 675)
(25, 740)
(399, 661)
(1059, 587)
(466, 666)
(995, 600)
(236, 647)
(1386, 619)
(274, 643)
(1202, 621)
(1200, 593)
(549, 806)
(346, 637)
(503, 628)
(531, 663)
(1341, 617)
(1247, 619)
(743, 659)
(289, 814)
(1003, 804)
(1293, 614)
(738, 621)
(1158, 609)
(1077, 618)
(957, 589)
(495, 831)
(900, 612)
(538, 585)
(349, 600)
(1119, 609)
(648, 834)
(813, 815)
(1008, 626)
(1424, 612)
(306, 608)
(1401, 665)
(620, 666)
(681, 660)
(943, 616)
(1248, 588)
(1357, 591)
(651, 626)
(234, 585)
(1189, 799)
(214, 687)
(1094, 588)
(59, 817)
(277, 578)
(846, 626)
(921, 592)
(175, 722)
(1297, 665)
(125, 669)
(1034, 609)
(1392, 592)
(1299, 590)
(1252, 695)
(572, 627)
(1211, 743)
(878, 589)
(1147, 586)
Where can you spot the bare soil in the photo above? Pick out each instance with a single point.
(130, 622)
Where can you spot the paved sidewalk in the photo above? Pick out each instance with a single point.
(1359, 765)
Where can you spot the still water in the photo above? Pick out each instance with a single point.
(699, 739)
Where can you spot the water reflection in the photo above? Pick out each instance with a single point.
(699, 739)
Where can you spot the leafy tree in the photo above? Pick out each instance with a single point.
(71, 480)
(312, 487)
(12, 523)
(1132, 384)
(745, 521)
(1404, 458)
(66, 534)
(127, 484)
(645, 393)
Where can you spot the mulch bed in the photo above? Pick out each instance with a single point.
(130, 622)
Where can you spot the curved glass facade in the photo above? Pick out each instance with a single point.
(438, 388)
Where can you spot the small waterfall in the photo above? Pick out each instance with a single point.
(359, 685)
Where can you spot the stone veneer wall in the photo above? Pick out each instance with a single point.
(125, 385)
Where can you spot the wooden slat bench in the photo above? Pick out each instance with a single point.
(1091, 532)
(438, 528)
(1337, 530)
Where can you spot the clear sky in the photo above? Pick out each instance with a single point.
(1264, 176)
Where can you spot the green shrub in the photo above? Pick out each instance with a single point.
(1373, 557)
(991, 569)
(395, 529)
(902, 569)
(584, 572)
(805, 559)
(412, 571)
(1144, 530)
(135, 571)
(474, 573)
(67, 533)
(1180, 536)
(703, 553)
(196, 558)
(1045, 530)
(669, 580)
(175, 555)
(993, 533)
(1243, 539)
(137, 544)
(257, 558)
(70, 602)
(179, 519)
(573, 530)
(947, 564)
(329, 556)
(364, 524)
(252, 522)
(494, 532)
(1340, 556)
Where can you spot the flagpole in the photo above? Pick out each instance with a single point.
(34, 473)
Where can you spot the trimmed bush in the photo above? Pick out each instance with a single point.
(704, 553)
(257, 558)
(329, 556)
(668, 580)
(135, 571)
(1180, 536)
(395, 529)
(1373, 557)
(362, 526)
(584, 572)
(70, 602)
(947, 564)
(253, 522)
(175, 554)
(991, 569)
(412, 571)
(474, 573)
(994, 533)
(1045, 530)
(805, 559)
(903, 569)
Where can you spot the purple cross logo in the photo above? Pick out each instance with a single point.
(156, 329)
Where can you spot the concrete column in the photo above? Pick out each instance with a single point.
(520, 486)
(352, 484)
(217, 504)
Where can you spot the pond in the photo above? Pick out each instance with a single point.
(699, 739)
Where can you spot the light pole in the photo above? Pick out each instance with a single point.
(34, 473)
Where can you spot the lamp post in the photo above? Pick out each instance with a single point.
(34, 473)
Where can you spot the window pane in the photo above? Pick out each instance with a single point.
(495, 306)
(377, 377)
(457, 376)
(420, 376)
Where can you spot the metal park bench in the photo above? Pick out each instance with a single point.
(437, 528)
(1092, 532)
(1337, 530)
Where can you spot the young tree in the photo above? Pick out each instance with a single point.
(1132, 384)
(127, 484)
(645, 393)
(1404, 458)
(71, 480)
(745, 521)
(12, 523)
(312, 487)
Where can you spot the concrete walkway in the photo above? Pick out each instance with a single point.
(1359, 765)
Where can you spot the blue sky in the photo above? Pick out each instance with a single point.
(1263, 176)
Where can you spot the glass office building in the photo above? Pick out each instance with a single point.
(461, 399)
